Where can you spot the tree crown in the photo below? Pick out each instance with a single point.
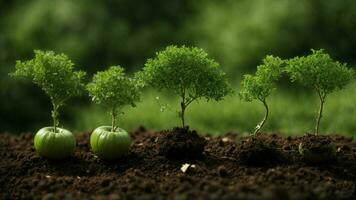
(112, 88)
(261, 85)
(187, 72)
(319, 71)
(54, 73)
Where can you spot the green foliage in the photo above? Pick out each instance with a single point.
(55, 74)
(113, 90)
(92, 34)
(321, 73)
(188, 72)
(105, 32)
(261, 85)
(80, 29)
(248, 30)
(219, 118)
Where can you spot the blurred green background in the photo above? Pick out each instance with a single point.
(236, 33)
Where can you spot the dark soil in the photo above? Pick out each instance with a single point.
(225, 170)
(259, 150)
(180, 143)
(317, 148)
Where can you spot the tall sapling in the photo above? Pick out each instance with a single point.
(261, 85)
(113, 90)
(55, 75)
(188, 73)
(321, 73)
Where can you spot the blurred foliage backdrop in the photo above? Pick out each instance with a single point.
(237, 33)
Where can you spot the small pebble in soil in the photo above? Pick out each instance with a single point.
(185, 167)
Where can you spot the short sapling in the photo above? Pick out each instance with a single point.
(55, 75)
(260, 86)
(321, 73)
(187, 72)
(258, 150)
(113, 90)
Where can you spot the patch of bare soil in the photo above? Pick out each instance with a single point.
(228, 167)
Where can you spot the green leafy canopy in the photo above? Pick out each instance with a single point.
(261, 85)
(186, 72)
(112, 89)
(320, 72)
(54, 73)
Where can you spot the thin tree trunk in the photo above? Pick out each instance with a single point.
(55, 117)
(113, 120)
(320, 113)
(182, 113)
(260, 125)
(183, 106)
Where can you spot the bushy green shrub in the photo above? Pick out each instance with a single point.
(321, 73)
(261, 85)
(113, 90)
(55, 75)
(187, 72)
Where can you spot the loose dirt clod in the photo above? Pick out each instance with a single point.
(317, 148)
(259, 150)
(145, 174)
(181, 143)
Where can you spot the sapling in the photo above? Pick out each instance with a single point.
(55, 75)
(321, 73)
(188, 73)
(113, 90)
(260, 86)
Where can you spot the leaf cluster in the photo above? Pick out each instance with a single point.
(113, 89)
(261, 85)
(319, 71)
(188, 72)
(54, 73)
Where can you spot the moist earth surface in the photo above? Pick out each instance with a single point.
(231, 166)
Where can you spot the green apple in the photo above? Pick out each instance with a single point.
(54, 145)
(109, 145)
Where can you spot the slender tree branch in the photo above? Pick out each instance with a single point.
(190, 101)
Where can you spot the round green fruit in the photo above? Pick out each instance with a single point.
(54, 145)
(109, 145)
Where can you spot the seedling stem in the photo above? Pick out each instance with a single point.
(320, 113)
(55, 116)
(113, 119)
(260, 125)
